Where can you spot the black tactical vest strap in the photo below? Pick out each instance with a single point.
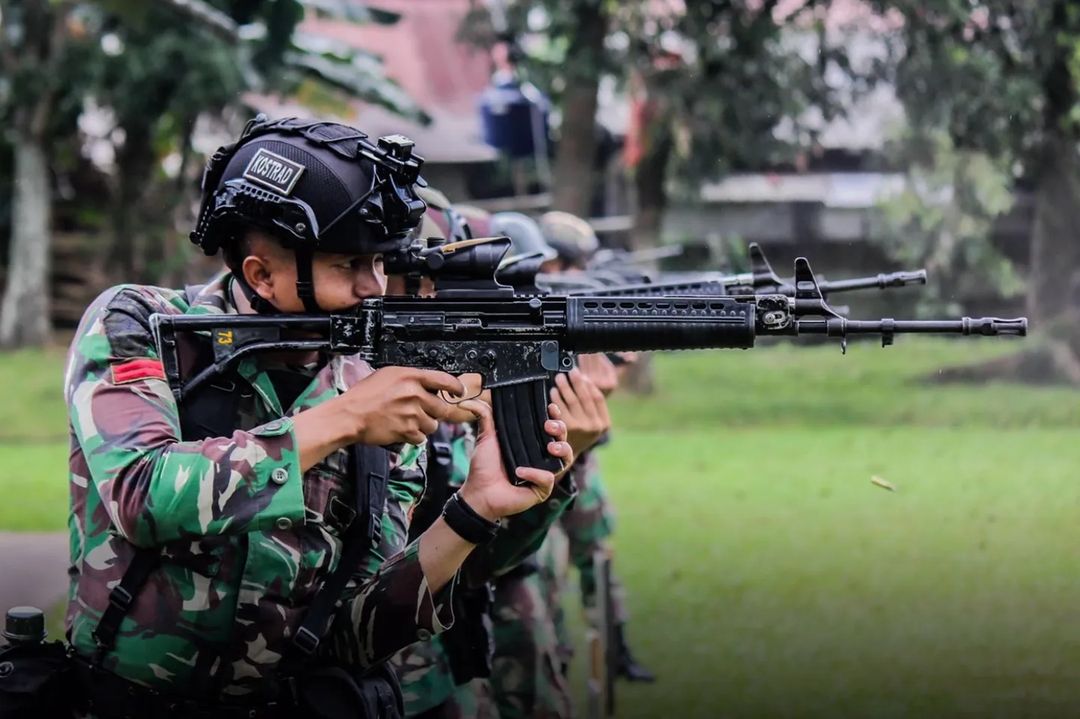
(372, 472)
(439, 471)
(122, 597)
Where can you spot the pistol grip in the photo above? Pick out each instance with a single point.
(520, 413)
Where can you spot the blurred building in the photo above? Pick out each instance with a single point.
(443, 74)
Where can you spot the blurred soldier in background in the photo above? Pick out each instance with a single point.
(532, 645)
(448, 675)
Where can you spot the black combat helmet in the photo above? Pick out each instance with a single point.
(316, 187)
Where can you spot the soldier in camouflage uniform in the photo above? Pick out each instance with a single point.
(234, 530)
(590, 521)
(529, 617)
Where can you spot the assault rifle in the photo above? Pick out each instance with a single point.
(518, 343)
(761, 279)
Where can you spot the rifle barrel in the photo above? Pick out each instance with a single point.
(986, 326)
(880, 282)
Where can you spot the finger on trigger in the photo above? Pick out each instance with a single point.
(435, 380)
(434, 406)
(428, 425)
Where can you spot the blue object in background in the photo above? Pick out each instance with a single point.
(514, 117)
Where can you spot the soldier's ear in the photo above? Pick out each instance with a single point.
(259, 274)
(265, 265)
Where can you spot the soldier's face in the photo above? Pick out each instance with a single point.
(341, 281)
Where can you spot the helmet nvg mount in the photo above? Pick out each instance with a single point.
(316, 187)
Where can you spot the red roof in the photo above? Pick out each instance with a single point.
(443, 75)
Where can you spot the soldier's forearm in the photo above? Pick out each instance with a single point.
(321, 431)
(442, 552)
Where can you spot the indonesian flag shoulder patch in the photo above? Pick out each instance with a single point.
(136, 369)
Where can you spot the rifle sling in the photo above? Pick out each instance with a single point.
(372, 470)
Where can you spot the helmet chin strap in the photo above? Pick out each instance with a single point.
(305, 282)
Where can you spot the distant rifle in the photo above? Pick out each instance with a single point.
(606, 604)
(603, 649)
(762, 279)
(518, 343)
(608, 258)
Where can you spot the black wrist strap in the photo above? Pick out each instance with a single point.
(466, 523)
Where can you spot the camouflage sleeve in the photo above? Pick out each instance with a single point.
(392, 606)
(396, 608)
(154, 487)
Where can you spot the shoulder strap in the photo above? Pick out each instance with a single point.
(372, 471)
(122, 597)
(439, 471)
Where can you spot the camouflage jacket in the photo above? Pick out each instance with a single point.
(246, 539)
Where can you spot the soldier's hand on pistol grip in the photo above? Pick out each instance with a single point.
(583, 408)
(400, 404)
(488, 490)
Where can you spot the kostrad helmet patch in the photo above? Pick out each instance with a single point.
(273, 171)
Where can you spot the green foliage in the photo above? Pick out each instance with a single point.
(741, 78)
(995, 74)
(164, 70)
(942, 220)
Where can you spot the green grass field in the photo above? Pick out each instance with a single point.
(767, 575)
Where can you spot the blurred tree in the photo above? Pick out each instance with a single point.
(154, 68)
(1001, 77)
(942, 220)
(161, 75)
(711, 83)
(721, 85)
(43, 44)
(584, 24)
